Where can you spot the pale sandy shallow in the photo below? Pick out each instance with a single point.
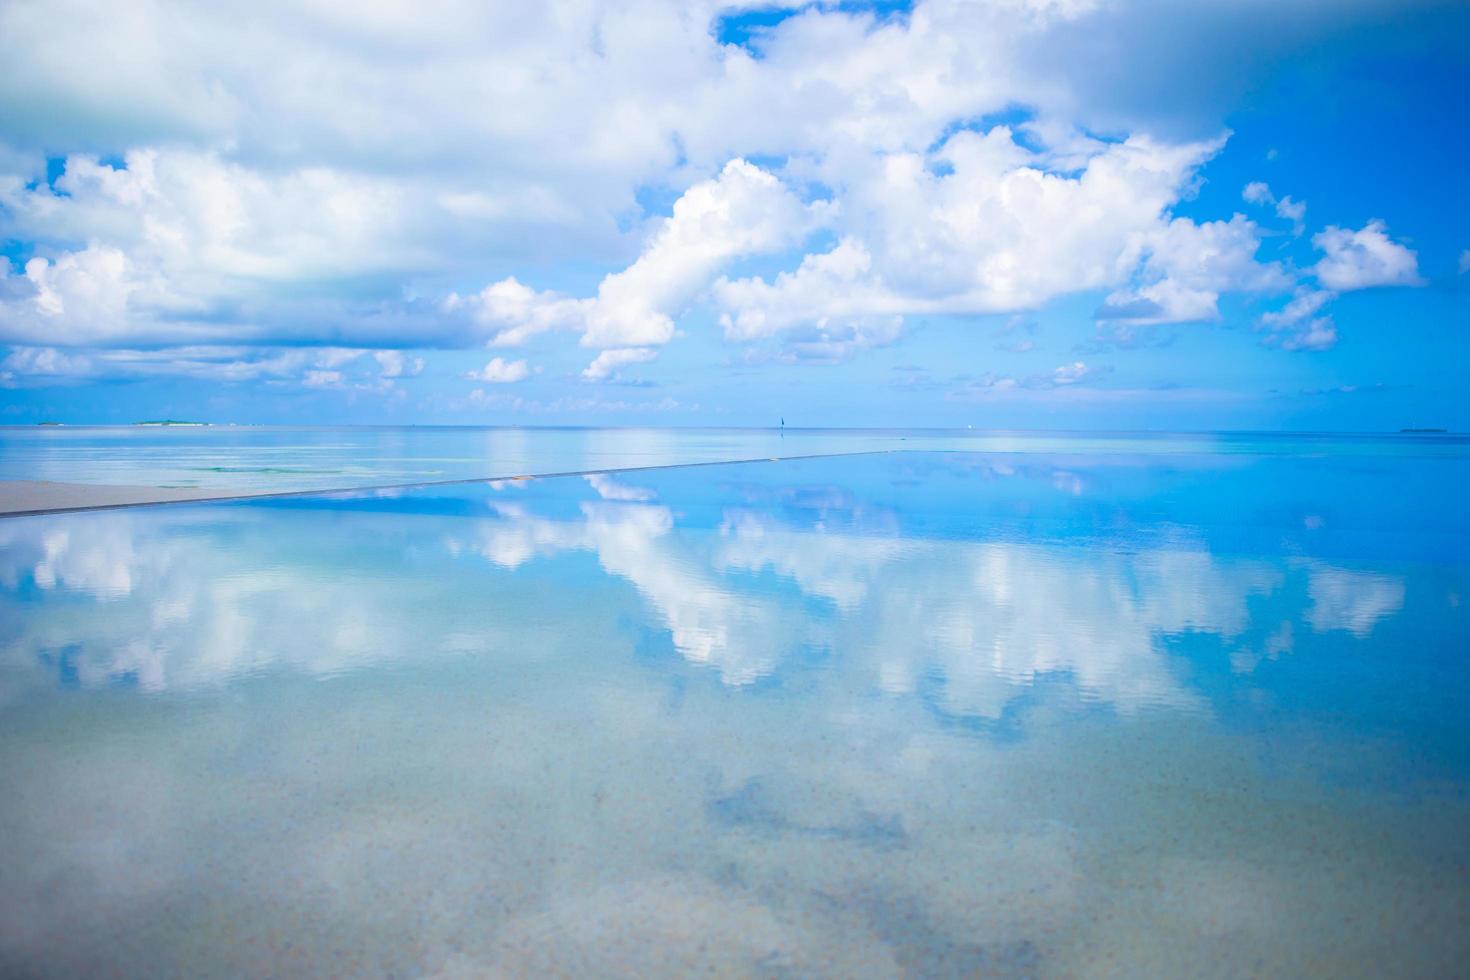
(19, 497)
(23, 497)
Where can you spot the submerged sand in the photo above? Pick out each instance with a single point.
(20, 497)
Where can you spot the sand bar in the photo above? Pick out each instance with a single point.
(21, 497)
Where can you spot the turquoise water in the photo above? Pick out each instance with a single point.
(1031, 713)
(327, 458)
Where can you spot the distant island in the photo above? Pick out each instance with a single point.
(169, 422)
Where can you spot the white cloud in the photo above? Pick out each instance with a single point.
(177, 245)
(394, 364)
(605, 364)
(827, 308)
(1257, 192)
(1465, 261)
(44, 362)
(1354, 260)
(1188, 266)
(317, 367)
(500, 371)
(1316, 335)
(348, 196)
(1364, 258)
(77, 298)
(980, 226)
(512, 313)
(1068, 374)
(1293, 211)
(1300, 324)
(743, 211)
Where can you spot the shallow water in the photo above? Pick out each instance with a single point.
(333, 457)
(1033, 714)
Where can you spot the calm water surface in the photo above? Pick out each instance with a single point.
(328, 458)
(918, 713)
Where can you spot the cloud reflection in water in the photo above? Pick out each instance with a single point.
(196, 596)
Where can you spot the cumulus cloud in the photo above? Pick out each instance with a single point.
(315, 367)
(184, 246)
(1354, 260)
(395, 364)
(982, 226)
(1188, 266)
(1257, 192)
(1364, 258)
(606, 364)
(743, 211)
(512, 313)
(358, 196)
(829, 307)
(500, 371)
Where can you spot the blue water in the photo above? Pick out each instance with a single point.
(1191, 707)
(325, 457)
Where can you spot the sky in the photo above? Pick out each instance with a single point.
(1096, 214)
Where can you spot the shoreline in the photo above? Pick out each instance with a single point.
(38, 498)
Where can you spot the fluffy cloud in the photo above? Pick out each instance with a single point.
(982, 226)
(1364, 258)
(830, 306)
(395, 364)
(606, 364)
(500, 371)
(1188, 267)
(184, 246)
(1354, 260)
(513, 313)
(743, 211)
(1257, 192)
(362, 191)
(313, 367)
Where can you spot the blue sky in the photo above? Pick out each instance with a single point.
(1024, 213)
